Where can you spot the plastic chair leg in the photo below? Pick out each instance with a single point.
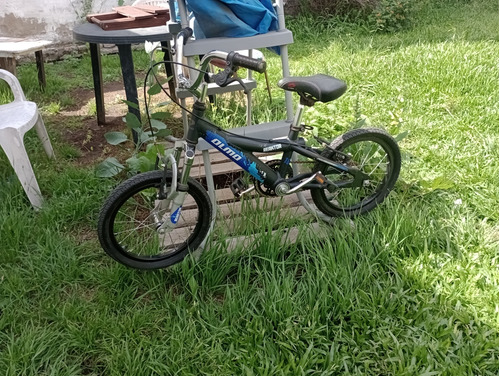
(16, 153)
(44, 137)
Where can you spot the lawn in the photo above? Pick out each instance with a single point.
(408, 289)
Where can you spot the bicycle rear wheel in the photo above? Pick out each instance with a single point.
(129, 222)
(375, 153)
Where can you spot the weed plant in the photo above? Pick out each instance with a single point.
(408, 289)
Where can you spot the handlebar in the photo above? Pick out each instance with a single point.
(233, 59)
(246, 62)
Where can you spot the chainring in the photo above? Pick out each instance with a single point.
(275, 165)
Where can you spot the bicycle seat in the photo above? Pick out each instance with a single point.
(319, 87)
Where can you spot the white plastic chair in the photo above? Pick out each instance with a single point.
(16, 118)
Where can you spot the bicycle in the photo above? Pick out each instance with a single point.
(154, 219)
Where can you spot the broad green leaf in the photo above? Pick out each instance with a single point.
(163, 133)
(144, 137)
(153, 149)
(108, 168)
(131, 104)
(155, 89)
(132, 121)
(133, 163)
(158, 124)
(115, 138)
(140, 163)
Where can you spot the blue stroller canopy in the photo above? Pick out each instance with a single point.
(232, 18)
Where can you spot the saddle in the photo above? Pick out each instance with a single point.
(312, 89)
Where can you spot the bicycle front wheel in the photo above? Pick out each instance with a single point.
(130, 220)
(372, 151)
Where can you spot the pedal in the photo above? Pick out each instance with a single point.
(320, 178)
(239, 187)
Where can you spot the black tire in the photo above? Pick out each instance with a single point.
(373, 151)
(128, 232)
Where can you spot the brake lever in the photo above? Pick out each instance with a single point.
(228, 76)
(240, 81)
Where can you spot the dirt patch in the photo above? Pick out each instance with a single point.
(90, 142)
(84, 101)
(77, 124)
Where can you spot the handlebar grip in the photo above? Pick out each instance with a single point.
(247, 62)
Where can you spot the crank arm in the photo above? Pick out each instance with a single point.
(359, 177)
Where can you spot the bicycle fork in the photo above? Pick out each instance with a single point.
(174, 200)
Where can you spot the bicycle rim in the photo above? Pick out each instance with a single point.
(373, 153)
(131, 232)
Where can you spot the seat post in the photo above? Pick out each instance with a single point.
(295, 127)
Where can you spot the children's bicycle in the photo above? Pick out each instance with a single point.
(154, 219)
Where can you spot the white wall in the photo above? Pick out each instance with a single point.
(48, 19)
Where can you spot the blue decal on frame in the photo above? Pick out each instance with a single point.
(235, 155)
(175, 215)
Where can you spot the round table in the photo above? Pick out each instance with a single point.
(123, 39)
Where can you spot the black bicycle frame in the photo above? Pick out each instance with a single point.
(239, 149)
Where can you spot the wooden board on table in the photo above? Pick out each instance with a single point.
(131, 17)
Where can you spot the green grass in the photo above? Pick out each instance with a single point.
(409, 289)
